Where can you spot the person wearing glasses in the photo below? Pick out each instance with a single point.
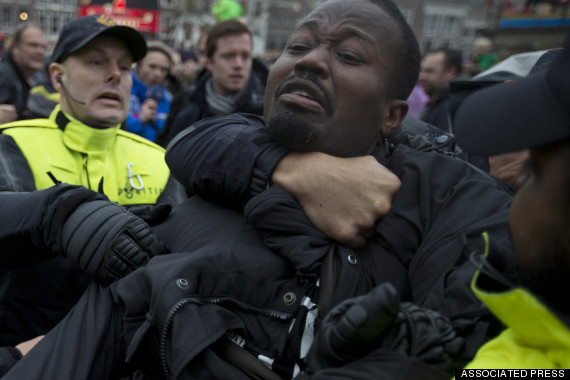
(23, 59)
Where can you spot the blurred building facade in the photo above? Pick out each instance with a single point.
(436, 23)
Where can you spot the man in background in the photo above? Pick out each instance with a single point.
(24, 58)
(150, 101)
(232, 82)
(438, 68)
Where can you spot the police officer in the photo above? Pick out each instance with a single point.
(81, 143)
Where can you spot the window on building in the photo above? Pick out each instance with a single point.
(6, 17)
(167, 24)
(431, 23)
(428, 45)
(42, 20)
(449, 25)
(282, 16)
(54, 24)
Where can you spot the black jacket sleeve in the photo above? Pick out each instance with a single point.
(225, 159)
(9, 356)
(7, 88)
(26, 219)
(84, 345)
(15, 172)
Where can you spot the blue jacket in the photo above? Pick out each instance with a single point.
(139, 93)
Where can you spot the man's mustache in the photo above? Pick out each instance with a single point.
(328, 99)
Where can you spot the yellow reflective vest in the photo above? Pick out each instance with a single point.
(535, 338)
(128, 168)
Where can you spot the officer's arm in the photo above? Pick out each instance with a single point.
(230, 159)
(102, 237)
(86, 344)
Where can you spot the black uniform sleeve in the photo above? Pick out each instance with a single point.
(9, 356)
(84, 345)
(225, 159)
(15, 172)
(25, 237)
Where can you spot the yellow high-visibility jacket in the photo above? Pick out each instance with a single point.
(129, 169)
(535, 338)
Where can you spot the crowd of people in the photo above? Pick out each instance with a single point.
(291, 222)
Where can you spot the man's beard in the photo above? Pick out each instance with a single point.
(291, 131)
(547, 277)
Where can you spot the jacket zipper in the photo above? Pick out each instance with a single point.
(85, 159)
(202, 301)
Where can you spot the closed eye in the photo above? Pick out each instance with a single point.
(298, 47)
(349, 58)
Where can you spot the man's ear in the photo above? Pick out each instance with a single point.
(56, 70)
(451, 73)
(395, 113)
(208, 64)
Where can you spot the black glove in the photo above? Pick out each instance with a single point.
(353, 327)
(377, 320)
(107, 241)
(424, 334)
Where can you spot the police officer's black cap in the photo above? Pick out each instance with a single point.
(79, 32)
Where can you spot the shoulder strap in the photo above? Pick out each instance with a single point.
(242, 359)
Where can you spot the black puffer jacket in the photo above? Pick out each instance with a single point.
(168, 317)
(14, 88)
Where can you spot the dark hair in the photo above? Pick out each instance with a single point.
(452, 58)
(160, 47)
(230, 27)
(17, 36)
(406, 63)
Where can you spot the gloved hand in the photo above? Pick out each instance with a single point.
(377, 320)
(101, 237)
(424, 334)
(353, 328)
(107, 241)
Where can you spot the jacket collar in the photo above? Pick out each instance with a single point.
(533, 322)
(81, 137)
(530, 320)
(139, 88)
